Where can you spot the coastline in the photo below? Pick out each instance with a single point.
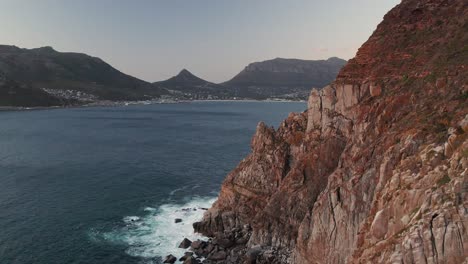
(117, 104)
(252, 100)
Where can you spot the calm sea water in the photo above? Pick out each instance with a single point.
(104, 185)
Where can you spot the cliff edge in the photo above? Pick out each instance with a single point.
(375, 171)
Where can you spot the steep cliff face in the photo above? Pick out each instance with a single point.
(375, 171)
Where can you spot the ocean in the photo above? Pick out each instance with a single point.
(105, 184)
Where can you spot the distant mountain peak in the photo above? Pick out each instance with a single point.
(288, 73)
(184, 77)
(194, 87)
(336, 60)
(186, 74)
(47, 49)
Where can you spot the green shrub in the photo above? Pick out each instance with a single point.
(444, 180)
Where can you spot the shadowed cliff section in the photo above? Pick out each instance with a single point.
(375, 171)
(13, 94)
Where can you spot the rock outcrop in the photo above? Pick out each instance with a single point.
(376, 170)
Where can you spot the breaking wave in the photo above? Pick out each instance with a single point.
(156, 234)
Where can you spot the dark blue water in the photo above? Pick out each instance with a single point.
(102, 185)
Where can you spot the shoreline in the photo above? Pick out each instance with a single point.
(117, 104)
(252, 100)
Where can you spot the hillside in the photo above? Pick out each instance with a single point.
(13, 94)
(188, 86)
(68, 75)
(279, 77)
(375, 171)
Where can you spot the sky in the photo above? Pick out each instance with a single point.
(214, 39)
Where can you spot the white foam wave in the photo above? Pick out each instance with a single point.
(177, 190)
(130, 219)
(149, 209)
(156, 234)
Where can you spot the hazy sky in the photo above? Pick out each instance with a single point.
(214, 39)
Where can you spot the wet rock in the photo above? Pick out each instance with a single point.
(209, 248)
(200, 252)
(170, 259)
(198, 244)
(186, 256)
(177, 220)
(186, 243)
(191, 260)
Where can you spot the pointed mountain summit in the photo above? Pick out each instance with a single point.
(185, 77)
(191, 87)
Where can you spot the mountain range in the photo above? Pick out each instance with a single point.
(46, 77)
(277, 78)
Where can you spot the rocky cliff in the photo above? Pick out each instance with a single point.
(375, 171)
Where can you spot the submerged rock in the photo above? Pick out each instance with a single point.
(198, 244)
(191, 260)
(186, 256)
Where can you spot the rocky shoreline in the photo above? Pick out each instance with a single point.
(229, 247)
